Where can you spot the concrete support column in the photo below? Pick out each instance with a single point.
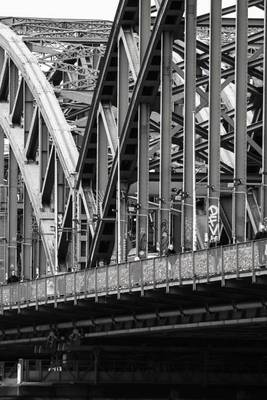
(189, 133)
(240, 129)
(165, 140)
(27, 110)
(264, 129)
(143, 141)
(27, 237)
(12, 211)
(213, 213)
(102, 164)
(13, 84)
(123, 100)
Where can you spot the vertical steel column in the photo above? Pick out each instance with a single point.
(264, 128)
(12, 211)
(42, 268)
(13, 84)
(27, 237)
(27, 110)
(240, 137)
(214, 120)
(56, 211)
(189, 134)
(2, 160)
(60, 190)
(123, 100)
(43, 149)
(3, 210)
(2, 58)
(102, 163)
(165, 140)
(143, 140)
(74, 228)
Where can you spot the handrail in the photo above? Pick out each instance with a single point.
(218, 263)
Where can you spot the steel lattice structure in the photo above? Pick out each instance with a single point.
(101, 172)
(161, 95)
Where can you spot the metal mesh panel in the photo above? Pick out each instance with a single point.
(148, 271)
(80, 282)
(200, 264)
(245, 257)
(187, 266)
(135, 273)
(229, 259)
(124, 275)
(160, 269)
(112, 277)
(101, 279)
(90, 280)
(174, 267)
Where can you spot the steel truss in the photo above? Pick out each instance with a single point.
(167, 108)
(46, 87)
(177, 107)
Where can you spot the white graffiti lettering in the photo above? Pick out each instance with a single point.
(213, 220)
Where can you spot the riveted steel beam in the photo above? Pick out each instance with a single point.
(214, 141)
(240, 138)
(12, 212)
(27, 267)
(143, 141)
(189, 124)
(264, 128)
(165, 140)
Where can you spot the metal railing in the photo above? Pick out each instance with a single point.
(217, 263)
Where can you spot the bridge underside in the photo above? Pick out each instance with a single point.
(115, 143)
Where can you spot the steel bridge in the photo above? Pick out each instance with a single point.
(118, 141)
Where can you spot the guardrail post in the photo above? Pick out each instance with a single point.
(237, 263)
(106, 280)
(10, 296)
(85, 283)
(65, 287)
(253, 263)
(167, 275)
(27, 291)
(180, 270)
(142, 277)
(194, 271)
(36, 294)
(96, 292)
(208, 265)
(2, 300)
(75, 287)
(154, 274)
(118, 281)
(45, 293)
(129, 277)
(55, 291)
(223, 278)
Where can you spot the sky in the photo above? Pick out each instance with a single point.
(81, 9)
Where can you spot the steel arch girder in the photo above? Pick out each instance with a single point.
(45, 98)
(56, 124)
(31, 179)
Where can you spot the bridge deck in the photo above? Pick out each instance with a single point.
(190, 268)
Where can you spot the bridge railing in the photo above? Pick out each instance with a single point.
(191, 267)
